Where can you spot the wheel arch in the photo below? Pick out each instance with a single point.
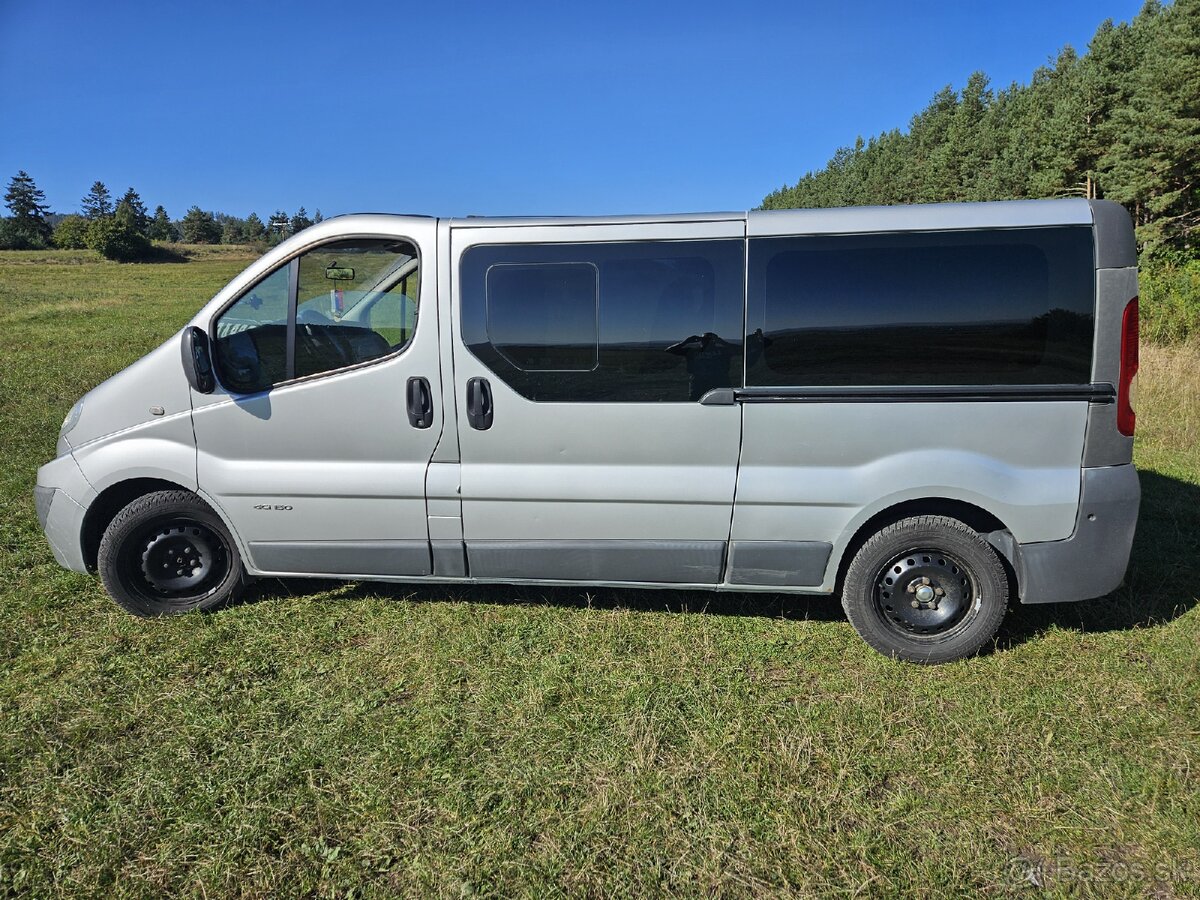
(973, 516)
(110, 501)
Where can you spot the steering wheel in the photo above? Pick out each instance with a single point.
(328, 349)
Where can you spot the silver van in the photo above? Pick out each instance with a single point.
(926, 409)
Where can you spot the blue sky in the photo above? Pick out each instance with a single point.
(451, 108)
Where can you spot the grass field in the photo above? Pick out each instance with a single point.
(359, 740)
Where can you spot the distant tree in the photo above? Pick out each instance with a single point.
(97, 202)
(116, 237)
(160, 228)
(28, 206)
(300, 221)
(71, 233)
(279, 225)
(1153, 162)
(199, 227)
(317, 217)
(253, 229)
(15, 236)
(232, 230)
(137, 210)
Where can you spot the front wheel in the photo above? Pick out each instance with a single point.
(928, 589)
(168, 553)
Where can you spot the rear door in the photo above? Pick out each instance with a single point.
(593, 370)
(310, 443)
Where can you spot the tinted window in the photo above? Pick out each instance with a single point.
(542, 318)
(354, 301)
(635, 322)
(999, 307)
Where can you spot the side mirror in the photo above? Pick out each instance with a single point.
(197, 360)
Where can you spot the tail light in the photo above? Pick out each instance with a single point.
(1126, 416)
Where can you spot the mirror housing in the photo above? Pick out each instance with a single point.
(197, 360)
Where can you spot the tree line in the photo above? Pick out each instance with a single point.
(123, 229)
(1121, 122)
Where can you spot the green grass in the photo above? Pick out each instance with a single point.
(337, 740)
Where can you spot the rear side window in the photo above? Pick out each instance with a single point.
(543, 318)
(949, 308)
(619, 322)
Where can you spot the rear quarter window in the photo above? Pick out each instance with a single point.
(947, 308)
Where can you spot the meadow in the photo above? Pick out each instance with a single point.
(341, 740)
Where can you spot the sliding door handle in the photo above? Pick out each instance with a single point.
(420, 403)
(479, 404)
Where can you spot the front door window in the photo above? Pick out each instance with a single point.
(338, 305)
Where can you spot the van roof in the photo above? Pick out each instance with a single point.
(921, 217)
(837, 220)
(510, 221)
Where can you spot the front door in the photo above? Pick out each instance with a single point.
(593, 366)
(310, 443)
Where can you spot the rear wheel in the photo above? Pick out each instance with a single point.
(928, 589)
(168, 553)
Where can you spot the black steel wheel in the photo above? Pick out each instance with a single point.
(928, 589)
(926, 592)
(167, 553)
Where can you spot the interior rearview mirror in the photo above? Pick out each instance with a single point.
(335, 272)
(197, 360)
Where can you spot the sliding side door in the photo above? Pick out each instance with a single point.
(593, 374)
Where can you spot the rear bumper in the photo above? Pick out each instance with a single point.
(1092, 562)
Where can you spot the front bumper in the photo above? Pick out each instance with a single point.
(60, 496)
(1092, 562)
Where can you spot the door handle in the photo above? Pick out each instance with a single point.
(420, 403)
(479, 404)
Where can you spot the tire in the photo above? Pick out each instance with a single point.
(928, 589)
(168, 553)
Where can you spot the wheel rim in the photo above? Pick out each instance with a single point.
(178, 559)
(925, 593)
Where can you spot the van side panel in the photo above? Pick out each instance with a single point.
(332, 460)
(927, 353)
(817, 471)
(162, 448)
(1092, 561)
(633, 480)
